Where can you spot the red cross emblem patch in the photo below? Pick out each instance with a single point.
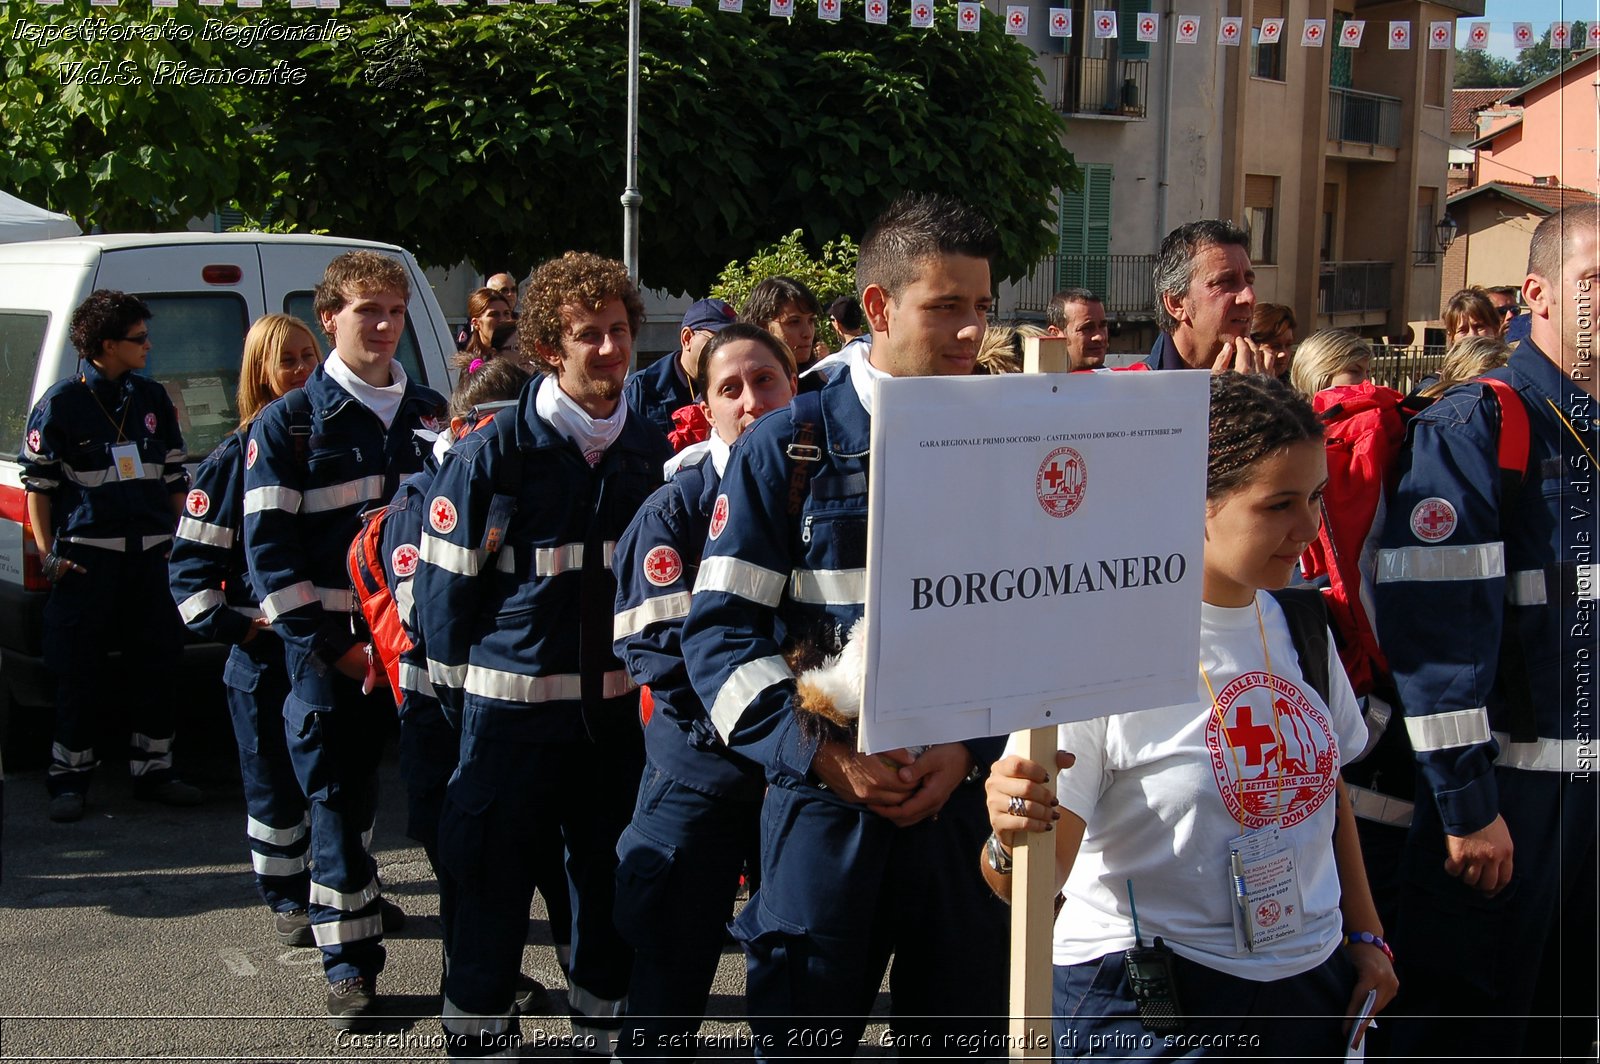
(719, 516)
(250, 455)
(150, 423)
(662, 566)
(404, 559)
(1061, 482)
(442, 516)
(198, 503)
(1268, 913)
(33, 440)
(1433, 520)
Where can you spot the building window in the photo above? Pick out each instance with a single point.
(1266, 60)
(1260, 217)
(1085, 248)
(1426, 240)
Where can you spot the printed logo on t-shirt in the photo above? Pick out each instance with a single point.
(1273, 753)
(1433, 520)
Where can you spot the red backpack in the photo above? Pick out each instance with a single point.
(1365, 427)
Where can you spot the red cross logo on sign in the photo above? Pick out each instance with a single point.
(1351, 33)
(922, 12)
(1523, 34)
(877, 9)
(1559, 34)
(1060, 22)
(1441, 34)
(1230, 30)
(1105, 25)
(828, 5)
(1188, 28)
(1147, 26)
(1061, 482)
(1433, 520)
(662, 566)
(1479, 33)
(1594, 33)
(198, 503)
(1313, 32)
(1016, 18)
(967, 15)
(1399, 34)
(442, 516)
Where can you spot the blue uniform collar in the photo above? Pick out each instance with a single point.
(663, 374)
(536, 432)
(1164, 354)
(328, 395)
(1535, 367)
(846, 423)
(96, 379)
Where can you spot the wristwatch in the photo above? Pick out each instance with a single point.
(996, 855)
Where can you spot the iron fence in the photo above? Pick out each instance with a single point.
(1087, 86)
(1401, 368)
(1363, 118)
(1353, 287)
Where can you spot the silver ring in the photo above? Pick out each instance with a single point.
(1017, 806)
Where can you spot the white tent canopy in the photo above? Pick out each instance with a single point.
(20, 220)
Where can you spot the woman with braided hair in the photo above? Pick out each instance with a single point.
(1218, 830)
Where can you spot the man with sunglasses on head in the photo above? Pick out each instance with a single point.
(102, 464)
(1514, 324)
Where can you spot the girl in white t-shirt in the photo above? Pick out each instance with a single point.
(1226, 814)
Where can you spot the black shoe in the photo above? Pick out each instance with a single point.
(531, 996)
(293, 928)
(66, 808)
(170, 792)
(352, 1003)
(394, 917)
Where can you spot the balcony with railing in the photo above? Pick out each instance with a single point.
(1354, 288)
(1121, 281)
(1100, 88)
(1363, 125)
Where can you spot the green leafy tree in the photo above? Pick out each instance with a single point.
(1481, 70)
(829, 274)
(499, 137)
(108, 130)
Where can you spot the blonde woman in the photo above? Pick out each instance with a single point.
(1467, 359)
(1329, 359)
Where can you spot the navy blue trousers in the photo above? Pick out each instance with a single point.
(841, 890)
(677, 875)
(277, 827)
(120, 602)
(1228, 1018)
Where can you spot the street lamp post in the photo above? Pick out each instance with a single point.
(631, 199)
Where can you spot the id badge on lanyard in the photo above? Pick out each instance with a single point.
(1266, 890)
(125, 461)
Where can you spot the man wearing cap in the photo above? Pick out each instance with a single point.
(654, 392)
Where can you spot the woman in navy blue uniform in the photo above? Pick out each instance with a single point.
(697, 819)
(211, 585)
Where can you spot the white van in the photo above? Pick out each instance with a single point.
(204, 290)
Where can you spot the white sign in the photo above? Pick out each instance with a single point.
(1033, 551)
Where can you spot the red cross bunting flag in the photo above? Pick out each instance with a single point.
(1271, 30)
(921, 14)
(396, 3)
(1350, 36)
(1313, 33)
(827, 10)
(780, 8)
(1188, 29)
(1561, 35)
(1105, 24)
(878, 12)
(1441, 34)
(734, 6)
(1477, 36)
(1594, 35)
(1522, 35)
(1061, 22)
(1017, 21)
(1399, 35)
(968, 15)
(1148, 27)
(1230, 29)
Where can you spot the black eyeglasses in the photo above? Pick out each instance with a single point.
(137, 338)
(1508, 311)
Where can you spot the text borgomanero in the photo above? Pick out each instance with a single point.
(1030, 582)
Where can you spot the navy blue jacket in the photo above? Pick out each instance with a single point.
(767, 577)
(655, 392)
(66, 453)
(210, 579)
(401, 542)
(505, 640)
(656, 561)
(303, 506)
(1459, 571)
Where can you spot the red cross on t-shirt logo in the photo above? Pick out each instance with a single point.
(1250, 737)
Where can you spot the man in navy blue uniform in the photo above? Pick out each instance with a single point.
(862, 855)
(1486, 601)
(1205, 293)
(514, 597)
(662, 387)
(316, 458)
(102, 463)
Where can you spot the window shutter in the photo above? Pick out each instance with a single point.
(1086, 231)
(1129, 46)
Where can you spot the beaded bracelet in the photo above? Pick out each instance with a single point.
(1368, 938)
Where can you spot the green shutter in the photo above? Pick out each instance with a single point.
(1129, 46)
(1086, 231)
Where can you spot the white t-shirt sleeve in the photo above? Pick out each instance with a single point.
(1079, 788)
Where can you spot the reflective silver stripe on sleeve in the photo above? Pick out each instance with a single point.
(564, 687)
(452, 677)
(829, 587)
(195, 605)
(271, 497)
(553, 561)
(732, 576)
(278, 866)
(116, 543)
(415, 678)
(289, 598)
(275, 836)
(341, 931)
(450, 557)
(337, 599)
(650, 611)
(1446, 731)
(200, 532)
(1526, 588)
(507, 562)
(742, 688)
(405, 601)
(353, 901)
(338, 496)
(1477, 561)
(93, 478)
(1379, 807)
(1547, 755)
